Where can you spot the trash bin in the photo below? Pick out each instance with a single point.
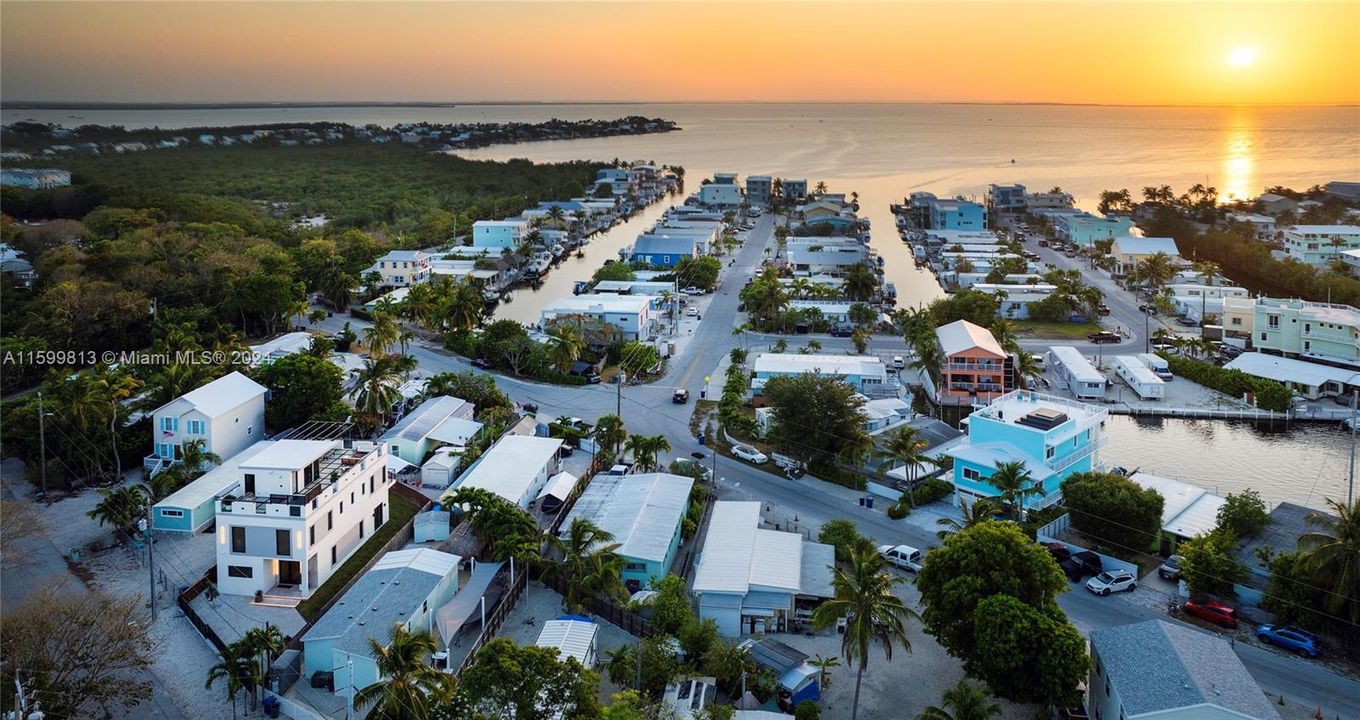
(869, 502)
(271, 706)
(701, 439)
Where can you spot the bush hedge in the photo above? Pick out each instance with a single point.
(1270, 395)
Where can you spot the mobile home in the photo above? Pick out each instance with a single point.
(1138, 377)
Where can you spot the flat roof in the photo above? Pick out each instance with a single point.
(1188, 510)
(1282, 369)
(214, 483)
(1016, 405)
(827, 364)
(962, 335)
(389, 593)
(508, 467)
(290, 454)
(598, 303)
(1077, 365)
(642, 512)
(1140, 371)
(1325, 229)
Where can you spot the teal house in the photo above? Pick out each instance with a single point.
(438, 421)
(193, 507)
(1052, 437)
(644, 513)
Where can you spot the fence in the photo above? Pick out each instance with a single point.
(495, 620)
(188, 596)
(608, 609)
(294, 710)
(1057, 527)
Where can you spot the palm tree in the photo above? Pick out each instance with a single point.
(382, 334)
(1332, 551)
(229, 668)
(906, 446)
(264, 644)
(610, 433)
(121, 507)
(189, 468)
(646, 448)
(820, 188)
(590, 564)
(962, 702)
(982, 510)
(1026, 367)
(860, 282)
(864, 599)
(568, 348)
(1156, 270)
(376, 390)
(859, 337)
(118, 387)
(556, 215)
(825, 665)
(1016, 484)
(409, 687)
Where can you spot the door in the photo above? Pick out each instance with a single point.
(290, 572)
(250, 485)
(378, 516)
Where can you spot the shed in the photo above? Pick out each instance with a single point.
(573, 637)
(441, 468)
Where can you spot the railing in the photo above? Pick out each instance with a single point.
(986, 367)
(1330, 335)
(1066, 461)
(494, 621)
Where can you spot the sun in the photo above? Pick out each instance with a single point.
(1242, 56)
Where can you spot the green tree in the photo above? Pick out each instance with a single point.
(616, 271)
(476, 388)
(815, 416)
(1113, 509)
(516, 682)
(1243, 514)
(567, 346)
(842, 535)
(1210, 566)
(590, 564)
(302, 387)
(671, 608)
(1016, 484)
(873, 615)
(1331, 551)
(409, 687)
(860, 282)
(980, 511)
(1029, 654)
(232, 667)
(962, 702)
(382, 334)
(765, 298)
(906, 446)
(193, 463)
(645, 450)
(993, 558)
(610, 433)
(637, 358)
(507, 530)
(376, 389)
(700, 272)
(121, 507)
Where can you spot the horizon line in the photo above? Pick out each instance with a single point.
(265, 104)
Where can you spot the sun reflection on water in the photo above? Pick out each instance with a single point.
(1239, 159)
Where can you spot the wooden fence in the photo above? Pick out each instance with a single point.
(186, 597)
(608, 609)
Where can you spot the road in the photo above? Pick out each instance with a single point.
(807, 503)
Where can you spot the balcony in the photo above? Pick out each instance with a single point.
(1066, 461)
(1343, 336)
(974, 367)
(977, 387)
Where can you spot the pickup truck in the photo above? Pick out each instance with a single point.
(1102, 338)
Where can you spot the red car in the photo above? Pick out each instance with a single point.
(1213, 611)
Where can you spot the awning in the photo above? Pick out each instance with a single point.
(558, 486)
(453, 614)
(396, 465)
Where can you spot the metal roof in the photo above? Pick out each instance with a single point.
(418, 423)
(221, 395)
(1077, 365)
(643, 512)
(961, 335)
(571, 639)
(1188, 510)
(1282, 369)
(826, 364)
(739, 554)
(1129, 245)
(387, 594)
(559, 486)
(509, 467)
(1157, 666)
(455, 430)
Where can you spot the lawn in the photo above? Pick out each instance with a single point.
(1055, 330)
(402, 510)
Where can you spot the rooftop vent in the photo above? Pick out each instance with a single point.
(1043, 419)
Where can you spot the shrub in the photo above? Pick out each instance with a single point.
(1270, 395)
(932, 490)
(807, 710)
(840, 534)
(900, 509)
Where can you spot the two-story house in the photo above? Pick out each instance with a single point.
(402, 268)
(499, 234)
(631, 314)
(758, 188)
(974, 367)
(1052, 437)
(1318, 245)
(227, 415)
(1325, 332)
(305, 507)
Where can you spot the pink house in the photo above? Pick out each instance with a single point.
(974, 368)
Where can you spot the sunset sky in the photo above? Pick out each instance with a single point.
(1096, 52)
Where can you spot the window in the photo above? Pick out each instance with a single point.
(196, 427)
(342, 507)
(281, 543)
(635, 567)
(329, 524)
(1263, 337)
(240, 571)
(1272, 321)
(370, 483)
(172, 513)
(1236, 321)
(1048, 453)
(332, 554)
(238, 539)
(970, 474)
(361, 529)
(311, 535)
(351, 498)
(396, 450)
(169, 424)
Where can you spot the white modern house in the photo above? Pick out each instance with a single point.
(499, 234)
(515, 468)
(1170, 671)
(405, 587)
(401, 268)
(227, 415)
(631, 314)
(305, 507)
(755, 580)
(865, 373)
(438, 421)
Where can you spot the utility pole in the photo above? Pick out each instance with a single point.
(42, 448)
(1350, 486)
(349, 706)
(145, 526)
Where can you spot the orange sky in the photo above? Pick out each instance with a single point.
(1095, 52)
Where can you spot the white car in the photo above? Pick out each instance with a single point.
(750, 454)
(692, 311)
(905, 557)
(692, 290)
(1112, 581)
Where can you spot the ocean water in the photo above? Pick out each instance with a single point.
(885, 152)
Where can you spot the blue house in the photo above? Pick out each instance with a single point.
(957, 215)
(1053, 437)
(192, 507)
(405, 587)
(644, 513)
(664, 250)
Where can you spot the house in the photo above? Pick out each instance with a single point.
(1084, 229)
(794, 189)
(883, 414)
(227, 415)
(515, 468)
(644, 513)
(1187, 510)
(1072, 368)
(35, 178)
(828, 260)
(193, 507)
(958, 214)
(1128, 251)
(974, 367)
(20, 269)
(758, 189)
(1319, 245)
(305, 507)
(573, 637)
(1052, 437)
(754, 580)
(405, 587)
(631, 314)
(826, 212)
(720, 195)
(1048, 200)
(499, 234)
(1347, 191)
(1007, 198)
(438, 421)
(1169, 671)
(1311, 380)
(1325, 332)
(401, 268)
(663, 250)
(836, 312)
(865, 373)
(1272, 204)
(1262, 226)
